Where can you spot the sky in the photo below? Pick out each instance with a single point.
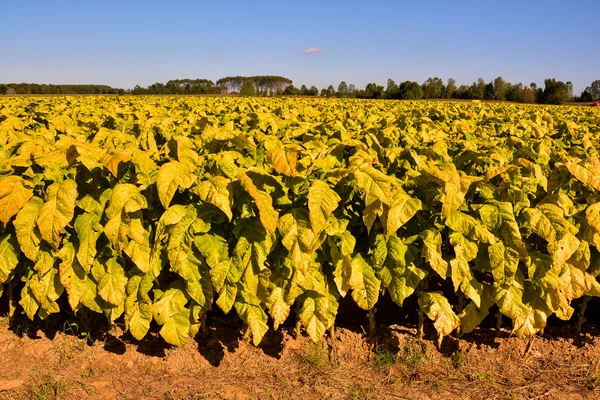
(124, 43)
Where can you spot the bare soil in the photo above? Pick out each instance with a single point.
(220, 364)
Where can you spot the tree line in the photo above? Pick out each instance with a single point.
(553, 92)
(36, 88)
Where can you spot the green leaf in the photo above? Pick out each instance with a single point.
(317, 312)
(432, 252)
(364, 284)
(28, 235)
(322, 201)
(72, 276)
(111, 287)
(402, 208)
(13, 197)
(88, 229)
(218, 192)
(171, 176)
(250, 310)
(58, 211)
(268, 215)
(438, 309)
(9, 256)
(373, 183)
(176, 330)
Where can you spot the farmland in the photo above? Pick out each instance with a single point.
(156, 213)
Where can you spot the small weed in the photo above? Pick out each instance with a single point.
(88, 372)
(593, 380)
(412, 354)
(359, 392)
(46, 387)
(316, 356)
(383, 357)
(458, 359)
(480, 376)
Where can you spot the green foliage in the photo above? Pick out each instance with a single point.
(157, 210)
(248, 88)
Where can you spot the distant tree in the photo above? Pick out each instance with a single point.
(450, 88)
(313, 91)
(488, 92)
(500, 88)
(594, 90)
(528, 95)
(372, 91)
(409, 90)
(342, 89)
(555, 92)
(570, 90)
(304, 91)
(433, 88)
(391, 89)
(477, 89)
(585, 97)
(351, 90)
(291, 90)
(248, 88)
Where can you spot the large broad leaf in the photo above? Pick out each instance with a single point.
(13, 196)
(171, 176)
(88, 230)
(317, 312)
(469, 227)
(394, 265)
(72, 276)
(583, 174)
(373, 183)
(9, 256)
(461, 274)
(297, 237)
(28, 235)
(58, 211)
(432, 252)
(322, 201)
(438, 309)
(364, 284)
(341, 249)
(504, 261)
(124, 216)
(250, 310)
(268, 215)
(402, 208)
(284, 160)
(217, 191)
(138, 305)
(111, 287)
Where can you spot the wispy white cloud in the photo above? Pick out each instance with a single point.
(312, 50)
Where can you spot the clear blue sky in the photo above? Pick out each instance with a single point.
(124, 43)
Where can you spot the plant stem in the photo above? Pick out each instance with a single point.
(11, 300)
(372, 323)
(581, 315)
(298, 323)
(498, 323)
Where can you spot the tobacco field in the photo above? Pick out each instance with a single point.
(153, 211)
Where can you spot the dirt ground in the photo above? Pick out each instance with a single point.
(220, 364)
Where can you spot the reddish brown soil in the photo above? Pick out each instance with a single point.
(221, 365)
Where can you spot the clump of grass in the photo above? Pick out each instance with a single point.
(383, 357)
(358, 391)
(316, 356)
(412, 354)
(47, 387)
(458, 359)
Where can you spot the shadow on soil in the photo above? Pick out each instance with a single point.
(224, 333)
